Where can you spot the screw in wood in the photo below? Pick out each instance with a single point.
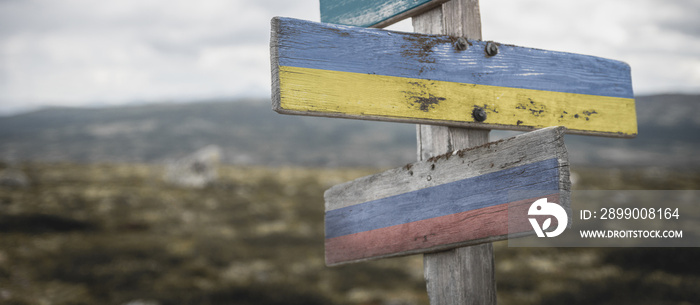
(479, 114)
(461, 44)
(491, 48)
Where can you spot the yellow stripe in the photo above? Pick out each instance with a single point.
(307, 90)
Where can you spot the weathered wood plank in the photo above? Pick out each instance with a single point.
(312, 45)
(461, 276)
(373, 13)
(339, 71)
(448, 201)
(464, 275)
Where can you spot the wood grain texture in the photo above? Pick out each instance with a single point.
(460, 18)
(467, 183)
(435, 234)
(465, 275)
(335, 71)
(321, 46)
(487, 224)
(488, 189)
(461, 276)
(333, 93)
(373, 13)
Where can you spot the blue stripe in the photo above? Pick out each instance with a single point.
(307, 44)
(538, 179)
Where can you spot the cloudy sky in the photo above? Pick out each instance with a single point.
(94, 53)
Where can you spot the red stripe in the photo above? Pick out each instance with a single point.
(424, 235)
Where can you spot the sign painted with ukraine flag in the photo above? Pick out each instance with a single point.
(342, 71)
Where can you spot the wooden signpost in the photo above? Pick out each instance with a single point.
(448, 201)
(349, 72)
(373, 13)
(456, 199)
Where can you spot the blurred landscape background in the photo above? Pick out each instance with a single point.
(92, 212)
(249, 133)
(140, 163)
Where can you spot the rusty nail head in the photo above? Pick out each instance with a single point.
(461, 44)
(479, 114)
(491, 48)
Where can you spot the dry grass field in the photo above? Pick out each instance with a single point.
(118, 234)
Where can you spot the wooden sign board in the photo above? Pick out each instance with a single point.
(349, 72)
(373, 13)
(461, 198)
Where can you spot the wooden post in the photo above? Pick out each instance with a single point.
(464, 275)
(331, 70)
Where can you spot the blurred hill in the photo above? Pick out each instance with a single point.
(669, 136)
(249, 133)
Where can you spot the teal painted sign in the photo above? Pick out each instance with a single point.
(372, 13)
